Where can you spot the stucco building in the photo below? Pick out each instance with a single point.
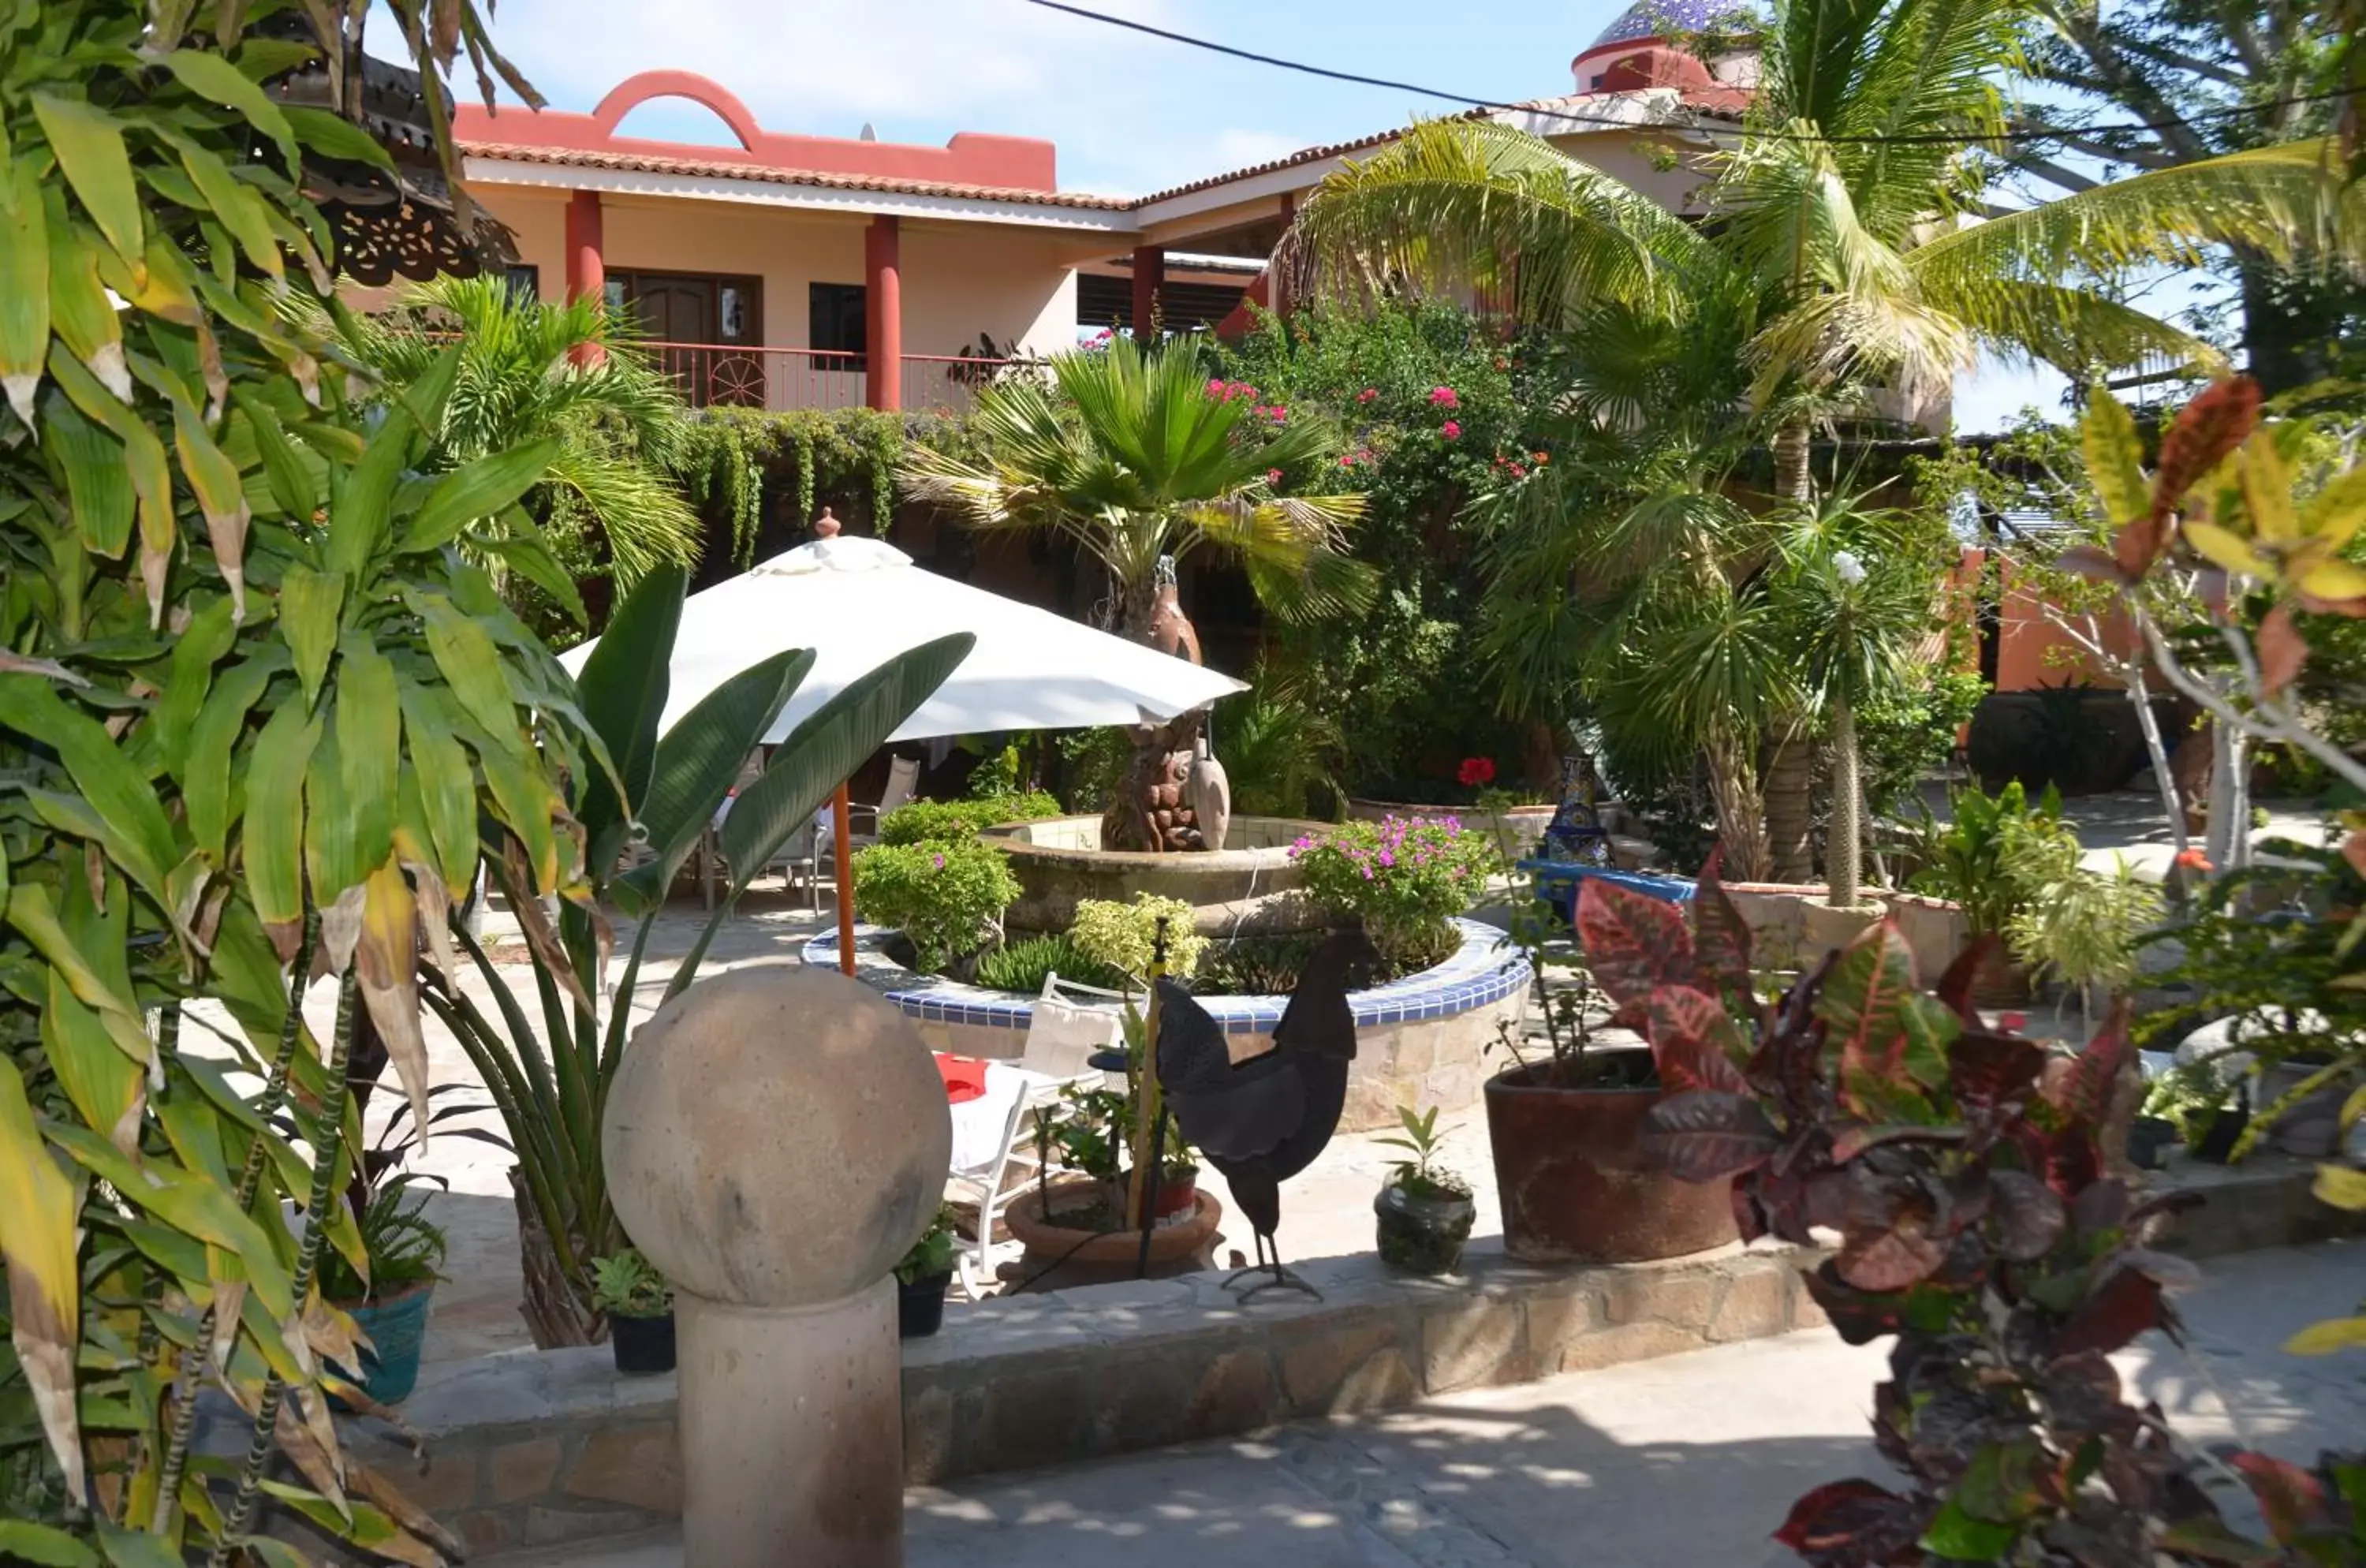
(790, 271)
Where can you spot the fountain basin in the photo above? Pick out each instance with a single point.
(1420, 1041)
(1244, 890)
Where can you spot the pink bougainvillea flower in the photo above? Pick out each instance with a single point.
(1348, 461)
(1444, 398)
(1450, 430)
(1215, 388)
(1273, 475)
(1280, 413)
(1367, 394)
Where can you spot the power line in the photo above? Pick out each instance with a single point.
(1472, 101)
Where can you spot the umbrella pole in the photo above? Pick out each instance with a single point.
(842, 845)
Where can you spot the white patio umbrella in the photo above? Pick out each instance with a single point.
(857, 603)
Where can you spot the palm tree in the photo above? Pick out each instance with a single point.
(525, 375)
(1137, 456)
(1841, 258)
(1858, 590)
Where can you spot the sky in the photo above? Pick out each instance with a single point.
(1130, 114)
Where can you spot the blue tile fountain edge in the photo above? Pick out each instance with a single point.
(1484, 970)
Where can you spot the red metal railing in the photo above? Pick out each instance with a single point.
(727, 375)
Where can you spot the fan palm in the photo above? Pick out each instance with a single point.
(1133, 455)
(535, 370)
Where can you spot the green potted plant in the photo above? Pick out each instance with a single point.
(405, 1251)
(639, 1307)
(1993, 858)
(923, 1276)
(1424, 1210)
(1563, 1124)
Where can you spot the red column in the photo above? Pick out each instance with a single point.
(587, 274)
(882, 306)
(587, 270)
(1149, 282)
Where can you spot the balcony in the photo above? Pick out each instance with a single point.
(731, 375)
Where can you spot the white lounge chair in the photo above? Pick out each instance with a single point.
(1062, 1037)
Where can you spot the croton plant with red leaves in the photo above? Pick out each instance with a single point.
(1963, 1168)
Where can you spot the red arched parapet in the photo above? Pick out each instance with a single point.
(1011, 163)
(633, 91)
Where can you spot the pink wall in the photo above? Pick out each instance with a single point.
(2033, 652)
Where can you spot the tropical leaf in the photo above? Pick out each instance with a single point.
(485, 488)
(827, 747)
(37, 1222)
(272, 835)
(622, 692)
(1633, 944)
(88, 141)
(311, 607)
(24, 285)
(697, 762)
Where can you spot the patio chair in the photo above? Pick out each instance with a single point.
(862, 819)
(1062, 1038)
(800, 854)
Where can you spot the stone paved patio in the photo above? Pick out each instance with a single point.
(1690, 1459)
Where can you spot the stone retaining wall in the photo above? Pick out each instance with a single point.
(532, 1448)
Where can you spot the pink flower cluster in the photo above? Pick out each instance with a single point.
(1367, 394)
(1233, 391)
(1444, 398)
(1362, 456)
(1451, 430)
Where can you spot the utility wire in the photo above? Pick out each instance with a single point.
(1468, 100)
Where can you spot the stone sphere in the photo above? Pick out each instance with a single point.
(776, 1136)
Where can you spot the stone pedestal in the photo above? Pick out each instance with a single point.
(776, 1139)
(791, 1432)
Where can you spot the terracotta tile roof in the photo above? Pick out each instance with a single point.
(734, 169)
(1382, 138)
(1305, 155)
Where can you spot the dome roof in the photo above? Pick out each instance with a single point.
(1660, 19)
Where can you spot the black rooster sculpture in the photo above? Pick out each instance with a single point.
(1262, 1122)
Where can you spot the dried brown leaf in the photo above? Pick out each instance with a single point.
(2282, 651)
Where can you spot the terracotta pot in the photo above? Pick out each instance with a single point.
(1576, 1188)
(2002, 982)
(1078, 1256)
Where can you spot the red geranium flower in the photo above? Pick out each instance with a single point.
(1477, 773)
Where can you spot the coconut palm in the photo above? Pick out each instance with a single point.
(1842, 258)
(534, 370)
(1137, 456)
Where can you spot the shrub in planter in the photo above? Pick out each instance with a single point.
(639, 1305)
(2281, 954)
(1963, 1171)
(955, 821)
(1424, 1210)
(923, 1276)
(1123, 936)
(1403, 877)
(947, 898)
(1023, 965)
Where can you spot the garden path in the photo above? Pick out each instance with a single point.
(1690, 1459)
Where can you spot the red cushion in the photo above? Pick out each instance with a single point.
(964, 1078)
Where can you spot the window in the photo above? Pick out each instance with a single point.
(525, 282)
(837, 333)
